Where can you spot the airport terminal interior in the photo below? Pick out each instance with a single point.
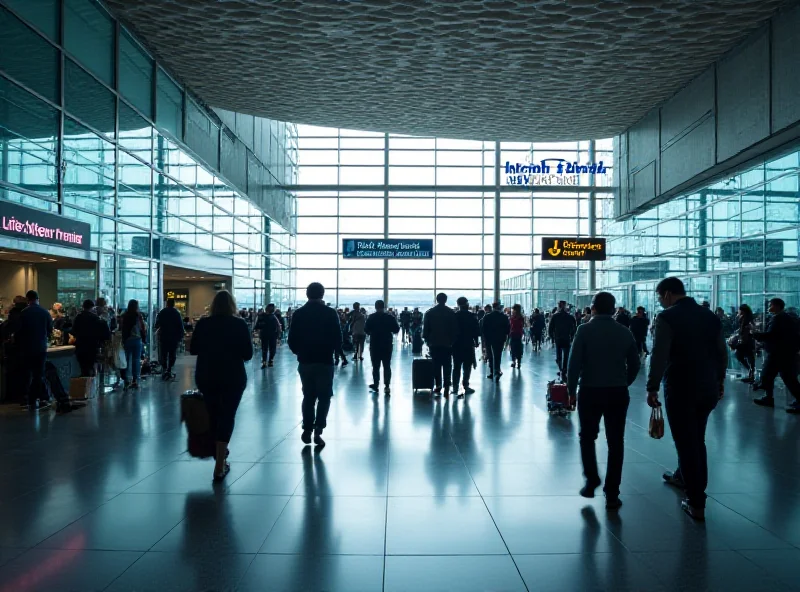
(518, 153)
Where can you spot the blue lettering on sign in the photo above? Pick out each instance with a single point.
(387, 248)
(564, 173)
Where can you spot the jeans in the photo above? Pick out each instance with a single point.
(133, 355)
(33, 376)
(317, 381)
(611, 404)
(268, 347)
(494, 355)
(463, 358)
(380, 358)
(222, 408)
(688, 418)
(442, 357)
(168, 351)
(786, 366)
(562, 354)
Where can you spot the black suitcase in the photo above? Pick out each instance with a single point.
(416, 342)
(422, 374)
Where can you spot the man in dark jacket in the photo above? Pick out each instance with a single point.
(381, 328)
(169, 325)
(269, 329)
(314, 337)
(562, 330)
(639, 326)
(605, 360)
(90, 332)
(35, 328)
(781, 342)
(439, 332)
(690, 354)
(494, 330)
(467, 334)
(622, 317)
(405, 323)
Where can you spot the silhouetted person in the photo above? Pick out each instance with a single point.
(358, 321)
(314, 337)
(781, 342)
(35, 328)
(562, 330)
(537, 329)
(690, 354)
(170, 334)
(604, 359)
(439, 332)
(639, 325)
(743, 343)
(222, 344)
(90, 332)
(269, 329)
(495, 328)
(405, 324)
(381, 328)
(467, 334)
(134, 334)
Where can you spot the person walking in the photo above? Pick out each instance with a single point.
(467, 335)
(781, 342)
(622, 317)
(743, 344)
(31, 338)
(690, 355)
(222, 344)
(537, 329)
(90, 333)
(134, 334)
(516, 331)
(169, 325)
(405, 324)
(269, 331)
(562, 330)
(358, 321)
(604, 360)
(439, 332)
(314, 337)
(639, 325)
(494, 331)
(381, 328)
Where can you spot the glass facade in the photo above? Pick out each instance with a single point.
(93, 128)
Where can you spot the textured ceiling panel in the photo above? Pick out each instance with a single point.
(482, 69)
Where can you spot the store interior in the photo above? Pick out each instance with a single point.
(192, 290)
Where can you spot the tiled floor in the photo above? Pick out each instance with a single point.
(410, 494)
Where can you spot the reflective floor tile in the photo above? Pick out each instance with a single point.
(52, 570)
(475, 573)
(430, 479)
(129, 522)
(526, 479)
(269, 479)
(110, 476)
(775, 512)
(441, 526)
(782, 564)
(223, 524)
(177, 572)
(552, 525)
(29, 520)
(331, 573)
(330, 526)
(192, 476)
(8, 553)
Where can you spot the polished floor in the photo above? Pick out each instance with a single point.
(410, 493)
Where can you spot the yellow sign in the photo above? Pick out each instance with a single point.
(573, 249)
(182, 295)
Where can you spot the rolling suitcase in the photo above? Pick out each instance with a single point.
(558, 400)
(422, 374)
(199, 442)
(416, 342)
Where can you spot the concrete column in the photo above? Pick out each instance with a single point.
(496, 257)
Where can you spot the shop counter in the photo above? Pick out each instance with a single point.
(63, 358)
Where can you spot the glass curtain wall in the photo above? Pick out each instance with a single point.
(356, 184)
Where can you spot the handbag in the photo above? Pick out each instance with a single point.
(735, 341)
(656, 423)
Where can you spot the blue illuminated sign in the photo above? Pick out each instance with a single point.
(387, 248)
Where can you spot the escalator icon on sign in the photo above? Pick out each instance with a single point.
(554, 250)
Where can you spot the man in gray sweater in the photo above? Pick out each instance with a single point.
(605, 360)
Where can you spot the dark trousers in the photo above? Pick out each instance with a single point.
(87, 358)
(268, 347)
(463, 358)
(747, 358)
(515, 345)
(641, 345)
(494, 354)
(610, 404)
(688, 418)
(317, 381)
(786, 367)
(222, 408)
(358, 346)
(562, 354)
(381, 357)
(442, 363)
(33, 375)
(169, 352)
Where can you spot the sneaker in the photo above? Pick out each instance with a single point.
(361, 359)
(355, 358)
(674, 479)
(613, 502)
(468, 391)
(134, 385)
(460, 396)
(765, 401)
(387, 390)
(794, 408)
(446, 393)
(263, 365)
(306, 436)
(318, 439)
(374, 387)
(271, 363)
(497, 378)
(698, 514)
(588, 489)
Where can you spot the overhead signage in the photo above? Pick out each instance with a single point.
(387, 248)
(752, 251)
(27, 223)
(573, 249)
(177, 294)
(550, 171)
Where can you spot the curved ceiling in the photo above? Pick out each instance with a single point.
(543, 70)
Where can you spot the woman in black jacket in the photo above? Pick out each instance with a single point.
(222, 345)
(743, 343)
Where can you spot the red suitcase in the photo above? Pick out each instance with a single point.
(558, 400)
